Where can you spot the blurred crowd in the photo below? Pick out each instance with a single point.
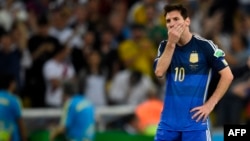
(108, 46)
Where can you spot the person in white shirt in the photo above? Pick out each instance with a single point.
(56, 71)
(129, 87)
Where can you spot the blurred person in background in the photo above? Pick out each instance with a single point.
(117, 23)
(79, 23)
(41, 47)
(227, 10)
(234, 107)
(139, 122)
(56, 71)
(138, 12)
(11, 11)
(94, 78)
(39, 7)
(60, 28)
(10, 57)
(79, 55)
(231, 108)
(154, 28)
(138, 52)
(152, 105)
(147, 13)
(129, 87)
(186, 62)
(242, 90)
(78, 118)
(239, 50)
(20, 34)
(95, 16)
(110, 59)
(12, 126)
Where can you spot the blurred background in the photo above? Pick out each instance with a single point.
(109, 46)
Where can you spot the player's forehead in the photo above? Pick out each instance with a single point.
(173, 14)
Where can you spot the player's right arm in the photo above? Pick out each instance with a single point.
(163, 62)
(64, 121)
(22, 129)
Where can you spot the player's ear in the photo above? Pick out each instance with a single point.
(187, 21)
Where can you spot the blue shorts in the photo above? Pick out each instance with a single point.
(166, 135)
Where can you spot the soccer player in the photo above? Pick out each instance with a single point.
(11, 121)
(186, 61)
(78, 118)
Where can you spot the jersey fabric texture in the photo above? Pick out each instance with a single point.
(187, 81)
(10, 112)
(79, 119)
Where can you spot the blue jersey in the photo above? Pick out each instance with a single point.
(187, 81)
(10, 113)
(79, 119)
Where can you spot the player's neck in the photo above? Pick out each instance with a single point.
(185, 38)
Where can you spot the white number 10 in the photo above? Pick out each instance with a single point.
(179, 74)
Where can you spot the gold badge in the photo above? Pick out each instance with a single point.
(194, 58)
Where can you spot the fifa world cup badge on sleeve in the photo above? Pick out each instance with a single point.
(219, 53)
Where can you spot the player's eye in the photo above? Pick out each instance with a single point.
(176, 19)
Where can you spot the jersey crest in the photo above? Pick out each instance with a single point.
(194, 58)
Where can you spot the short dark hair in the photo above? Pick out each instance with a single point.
(70, 88)
(73, 87)
(179, 7)
(5, 80)
(42, 20)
